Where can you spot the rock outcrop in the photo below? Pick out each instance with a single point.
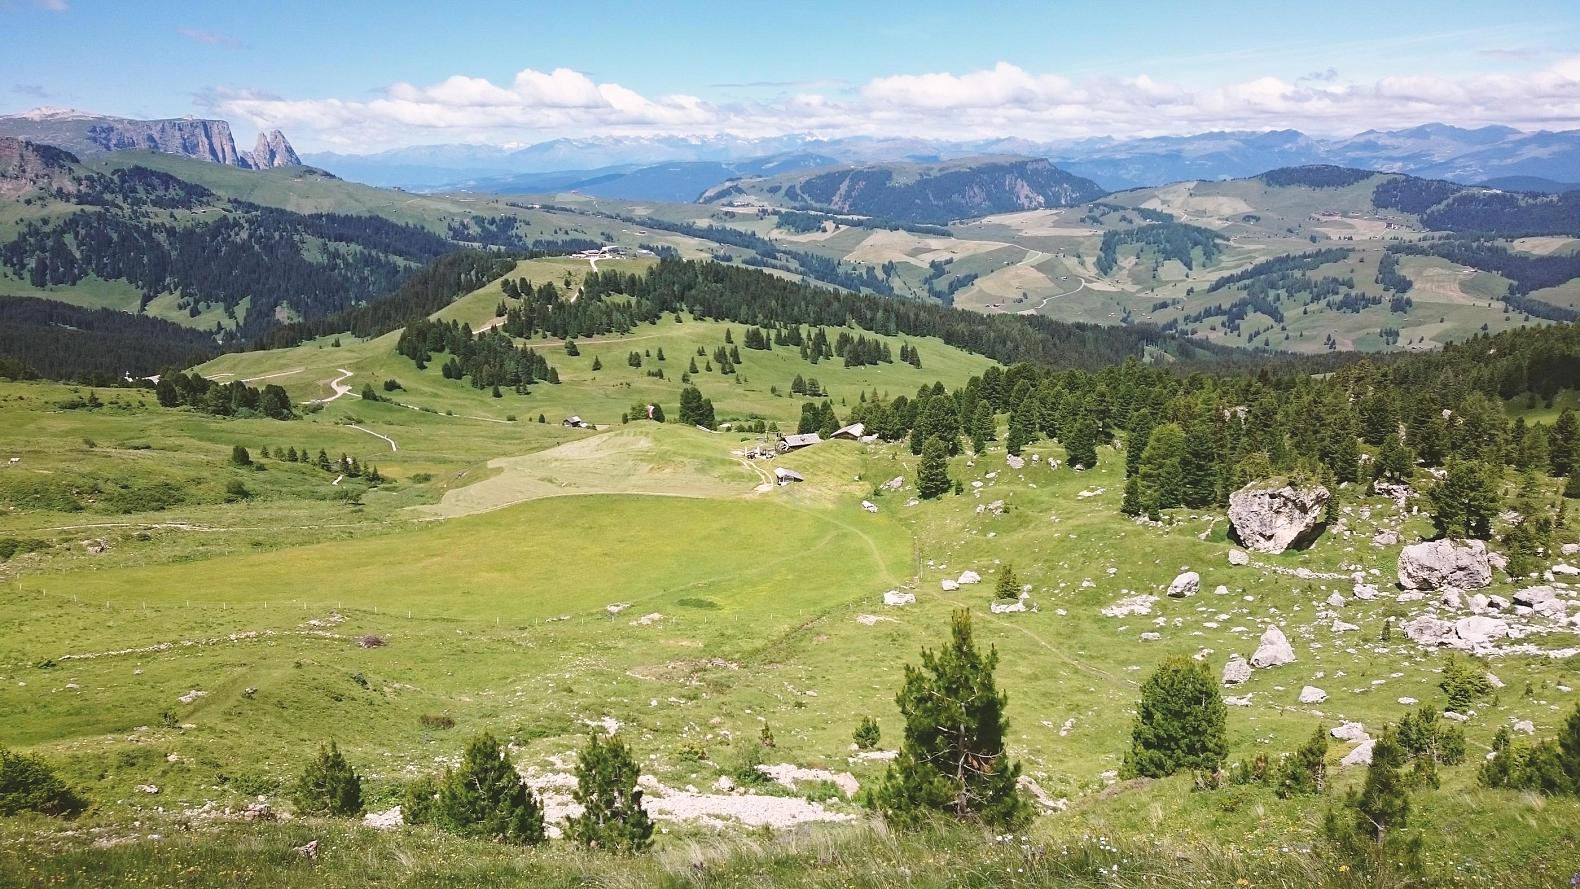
(272, 151)
(1236, 671)
(1436, 564)
(1270, 517)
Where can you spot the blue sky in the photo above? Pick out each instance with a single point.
(364, 76)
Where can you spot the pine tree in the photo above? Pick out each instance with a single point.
(328, 786)
(867, 735)
(1180, 722)
(1023, 426)
(486, 798)
(1465, 501)
(1366, 829)
(1162, 471)
(612, 816)
(1008, 584)
(952, 759)
(1306, 772)
(1563, 446)
(1080, 442)
(1395, 462)
(597, 363)
(1199, 468)
(1131, 505)
(932, 476)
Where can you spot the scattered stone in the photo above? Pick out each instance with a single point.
(1130, 605)
(1456, 717)
(389, 819)
(647, 620)
(894, 484)
(1566, 570)
(1244, 701)
(897, 598)
(1270, 519)
(1408, 701)
(1524, 727)
(969, 577)
(1236, 671)
(787, 775)
(1273, 650)
(148, 788)
(1151, 637)
(95, 547)
(1185, 585)
(1535, 596)
(1239, 557)
(1042, 797)
(1312, 695)
(1220, 590)
(1015, 462)
(1385, 538)
(191, 696)
(949, 585)
(1336, 600)
(871, 620)
(309, 851)
(1436, 564)
(869, 506)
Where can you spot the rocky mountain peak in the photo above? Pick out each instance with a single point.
(272, 150)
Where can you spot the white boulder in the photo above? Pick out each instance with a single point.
(1273, 650)
(1185, 585)
(1435, 564)
(1312, 695)
(1236, 671)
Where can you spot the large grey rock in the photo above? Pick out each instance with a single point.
(1350, 731)
(1480, 630)
(1187, 584)
(1271, 517)
(1312, 695)
(1236, 671)
(1435, 564)
(1273, 650)
(1360, 756)
(1428, 630)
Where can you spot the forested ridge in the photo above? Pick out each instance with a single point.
(60, 341)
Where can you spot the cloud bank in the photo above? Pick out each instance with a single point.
(1004, 100)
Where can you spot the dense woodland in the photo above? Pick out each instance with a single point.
(101, 346)
(1163, 241)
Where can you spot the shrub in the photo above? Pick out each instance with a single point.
(1463, 684)
(1307, 771)
(328, 786)
(867, 734)
(435, 721)
(29, 785)
(420, 803)
(240, 457)
(612, 816)
(486, 798)
(236, 490)
(1179, 722)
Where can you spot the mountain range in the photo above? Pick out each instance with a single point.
(85, 134)
(1439, 151)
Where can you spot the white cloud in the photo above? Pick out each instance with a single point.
(1004, 100)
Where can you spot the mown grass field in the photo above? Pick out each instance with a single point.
(489, 565)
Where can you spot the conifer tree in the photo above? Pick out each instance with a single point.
(1306, 772)
(867, 735)
(1131, 505)
(1366, 829)
(932, 476)
(1465, 501)
(1180, 722)
(1080, 441)
(328, 786)
(1008, 584)
(1162, 471)
(1199, 468)
(486, 798)
(952, 759)
(612, 816)
(1563, 445)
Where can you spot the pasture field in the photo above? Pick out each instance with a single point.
(538, 581)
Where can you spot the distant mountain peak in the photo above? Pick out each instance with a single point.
(85, 133)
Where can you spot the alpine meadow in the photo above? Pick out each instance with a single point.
(820, 446)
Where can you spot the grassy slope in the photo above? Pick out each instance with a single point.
(760, 593)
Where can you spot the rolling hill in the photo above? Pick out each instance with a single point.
(928, 193)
